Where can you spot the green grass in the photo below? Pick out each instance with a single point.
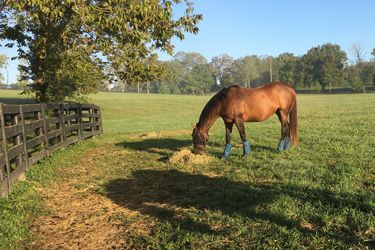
(319, 195)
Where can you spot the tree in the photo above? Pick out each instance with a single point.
(84, 33)
(352, 77)
(243, 71)
(263, 70)
(369, 73)
(359, 54)
(170, 83)
(189, 59)
(190, 64)
(324, 64)
(110, 78)
(248, 70)
(200, 79)
(3, 65)
(288, 68)
(220, 64)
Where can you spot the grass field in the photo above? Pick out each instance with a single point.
(126, 194)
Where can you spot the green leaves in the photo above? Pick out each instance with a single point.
(325, 63)
(124, 32)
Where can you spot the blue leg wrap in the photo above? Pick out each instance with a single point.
(246, 148)
(280, 147)
(287, 143)
(227, 149)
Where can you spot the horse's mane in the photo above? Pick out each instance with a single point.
(212, 107)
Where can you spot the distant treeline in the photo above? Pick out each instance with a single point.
(323, 69)
(153, 90)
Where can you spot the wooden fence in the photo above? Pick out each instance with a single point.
(32, 132)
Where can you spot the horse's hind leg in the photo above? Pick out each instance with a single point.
(285, 130)
(228, 132)
(241, 129)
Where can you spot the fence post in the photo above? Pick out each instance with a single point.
(45, 127)
(62, 122)
(80, 131)
(92, 119)
(100, 120)
(24, 139)
(5, 147)
(17, 138)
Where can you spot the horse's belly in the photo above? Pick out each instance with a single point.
(259, 114)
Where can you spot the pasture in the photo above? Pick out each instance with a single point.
(120, 190)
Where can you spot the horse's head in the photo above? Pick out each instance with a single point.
(200, 140)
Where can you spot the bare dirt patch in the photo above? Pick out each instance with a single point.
(78, 216)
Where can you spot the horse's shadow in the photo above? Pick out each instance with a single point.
(164, 194)
(161, 146)
(165, 147)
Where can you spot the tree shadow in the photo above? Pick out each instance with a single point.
(9, 100)
(157, 193)
(150, 145)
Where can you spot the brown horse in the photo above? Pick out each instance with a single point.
(236, 105)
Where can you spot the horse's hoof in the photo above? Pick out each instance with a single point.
(246, 148)
(281, 147)
(227, 149)
(287, 143)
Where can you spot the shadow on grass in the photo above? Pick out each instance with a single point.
(173, 145)
(158, 193)
(149, 145)
(8, 100)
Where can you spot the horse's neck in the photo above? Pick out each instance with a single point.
(204, 127)
(206, 122)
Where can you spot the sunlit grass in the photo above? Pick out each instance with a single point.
(319, 195)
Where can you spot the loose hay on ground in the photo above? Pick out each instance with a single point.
(159, 134)
(186, 156)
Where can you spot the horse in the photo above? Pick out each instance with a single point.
(237, 105)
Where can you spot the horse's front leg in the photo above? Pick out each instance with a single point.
(228, 132)
(241, 129)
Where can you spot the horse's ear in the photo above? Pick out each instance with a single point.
(193, 125)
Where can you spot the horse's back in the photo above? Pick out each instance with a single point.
(256, 104)
(273, 90)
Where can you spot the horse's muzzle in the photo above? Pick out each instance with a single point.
(198, 151)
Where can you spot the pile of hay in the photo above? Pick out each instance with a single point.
(148, 135)
(186, 156)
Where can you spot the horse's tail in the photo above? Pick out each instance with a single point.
(293, 123)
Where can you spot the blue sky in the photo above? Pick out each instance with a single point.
(271, 27)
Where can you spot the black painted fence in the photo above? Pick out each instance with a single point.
(34, 131)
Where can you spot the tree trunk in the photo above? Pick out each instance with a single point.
(122, 87)
(148, 87)
(330, 88)
(138, 87)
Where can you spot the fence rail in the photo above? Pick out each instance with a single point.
(32, 132)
